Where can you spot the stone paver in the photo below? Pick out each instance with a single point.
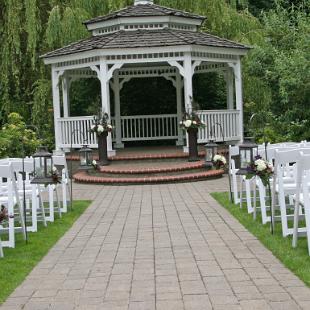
(158, 247)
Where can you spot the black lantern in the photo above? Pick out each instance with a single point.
(86, 157)
(211, 151)
(43, 166)
(247, 153)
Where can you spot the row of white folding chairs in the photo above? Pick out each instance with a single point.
(10, 199)
(252, 184)
(302, 198)
(34, 193)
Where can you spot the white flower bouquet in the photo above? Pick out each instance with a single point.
(101, 124)
(260, 168)
(219, 161)
(191, 121)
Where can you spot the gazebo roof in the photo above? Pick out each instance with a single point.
(145, 38)
(144, 10)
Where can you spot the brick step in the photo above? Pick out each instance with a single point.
(151, 168)
(128, 157)
(85, 177)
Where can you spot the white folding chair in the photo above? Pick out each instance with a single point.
(10, 198)
(284, 185)
(60, 160)
(32, 192)
(48, 192)
(302, 198)
(233, 151)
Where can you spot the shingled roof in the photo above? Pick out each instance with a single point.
(144, 38)
(143, 10)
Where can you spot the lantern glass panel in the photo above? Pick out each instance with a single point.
(211, 151)
(245, 157)
(86, 156)
(83, 160)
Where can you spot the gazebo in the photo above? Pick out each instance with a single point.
(140, 41)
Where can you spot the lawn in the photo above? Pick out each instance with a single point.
(297, 260)
(18, 262)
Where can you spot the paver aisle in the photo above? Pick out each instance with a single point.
(158, 247)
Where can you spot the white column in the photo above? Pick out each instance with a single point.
(188, 82)
(56, 106)
(117, 102)
(239, 100)
(188, 88)
(105, 98)
(65, 95)
(179, 107)
(229, 89)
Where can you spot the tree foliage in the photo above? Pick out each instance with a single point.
(277, 66)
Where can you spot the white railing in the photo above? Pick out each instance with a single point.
(219, 124)
(149, 127)
(76, 130)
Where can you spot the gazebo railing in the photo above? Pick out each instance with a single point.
(219, 124)
(149, 127)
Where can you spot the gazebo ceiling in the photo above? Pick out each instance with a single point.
(145, 39)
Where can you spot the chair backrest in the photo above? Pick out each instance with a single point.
(233, 151)
(303, 167)
(7, 172)
(60, 160)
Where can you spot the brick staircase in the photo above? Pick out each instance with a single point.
(148, 169)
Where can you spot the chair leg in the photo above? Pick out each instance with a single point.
(241, 192)
(296, 222)
(248, 195)
(64, 198)
(41, 204)
(1, 250)
(58, 203)
(50, 218)
(307, 218)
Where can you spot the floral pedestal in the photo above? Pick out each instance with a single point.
(103, 149)
(192, 144)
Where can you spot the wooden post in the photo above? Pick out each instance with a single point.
(66, 96)
(117, 102)
(229, 89)
(105, 98)
(180, 141)
(239, 100)
(56, 106)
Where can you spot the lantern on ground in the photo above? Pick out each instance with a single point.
(247, 151)
(43, 166)
(86, 157)
(211, 151)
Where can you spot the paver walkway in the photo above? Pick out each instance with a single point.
(163, 247)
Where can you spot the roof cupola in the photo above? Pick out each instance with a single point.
(144, 2)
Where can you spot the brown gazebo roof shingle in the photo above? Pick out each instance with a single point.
(144, 10)
(144, 38)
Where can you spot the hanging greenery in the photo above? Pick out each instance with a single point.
(278, 65)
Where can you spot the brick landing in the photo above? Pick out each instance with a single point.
(163, 247)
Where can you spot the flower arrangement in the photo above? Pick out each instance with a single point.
(261, 168)
(101, 124)
(94, 164)
(3, 214)
(55, 175)
(191, 121)
(219, 161)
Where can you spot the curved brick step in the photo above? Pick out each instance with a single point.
(140, 156)
(84, 177)
(183, 166)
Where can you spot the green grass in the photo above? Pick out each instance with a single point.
(17, 263)
(297, 260)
